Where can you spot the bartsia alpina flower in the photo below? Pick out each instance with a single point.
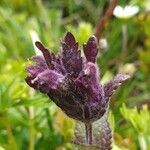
(72, 81)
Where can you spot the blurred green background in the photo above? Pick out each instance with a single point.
(28, 119)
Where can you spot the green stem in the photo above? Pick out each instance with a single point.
(124, 40)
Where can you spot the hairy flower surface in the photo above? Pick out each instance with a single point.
(72, 81)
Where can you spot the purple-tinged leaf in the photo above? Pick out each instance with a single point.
(69, 39)
(113, 84)
(90, 49)
(101, 130)
(71, 57)
(89, 78)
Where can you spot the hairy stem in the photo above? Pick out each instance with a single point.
(88, 128)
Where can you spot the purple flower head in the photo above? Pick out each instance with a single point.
(72, 81)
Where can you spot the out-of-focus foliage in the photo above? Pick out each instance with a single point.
(139, 119)
(28, 119)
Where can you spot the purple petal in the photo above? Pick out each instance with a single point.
(88, 80)
(34, 70)
(40, 61)
(47, 55)
(71, 57)
(112, 85)
(90, 49)
(50, 78)
(46, 81)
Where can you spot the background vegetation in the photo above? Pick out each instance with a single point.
(28, 119)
